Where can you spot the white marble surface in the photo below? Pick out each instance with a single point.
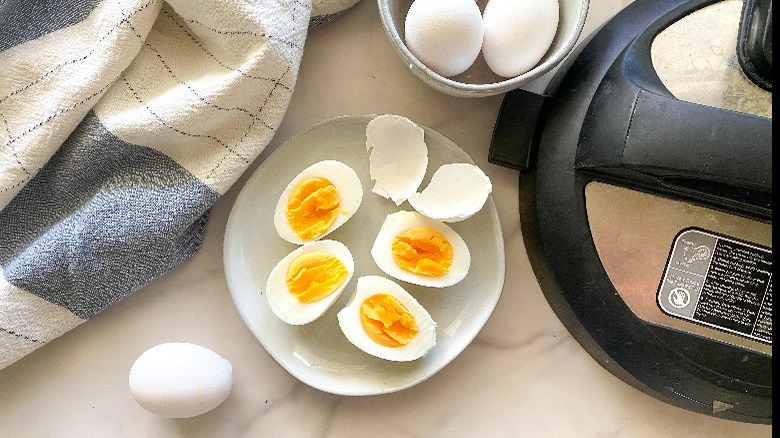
(524, 375)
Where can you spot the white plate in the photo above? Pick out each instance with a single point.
(318, 354)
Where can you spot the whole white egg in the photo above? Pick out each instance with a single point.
(296, 285)
(320, 199)
(180, 380)
(417, 249)
(385, 321)
(518, 33)
(445, 35)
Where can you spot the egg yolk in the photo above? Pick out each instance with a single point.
(386, 321)
(422, 251)
(312, 207)
(315, 275)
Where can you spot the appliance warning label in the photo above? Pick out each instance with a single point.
(721, 283)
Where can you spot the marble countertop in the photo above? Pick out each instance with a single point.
(523, 375)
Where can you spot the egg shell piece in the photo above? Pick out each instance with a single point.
(456, 192)
(518, 33)
(398, 156)
(286, 306)
(180, 380)
(351, 325)
(445, 35)
(347, 184)
(398, 222)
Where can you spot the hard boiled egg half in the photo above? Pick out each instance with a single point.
(385, 321)
(304, 284)
(419, 250)
(317, 201)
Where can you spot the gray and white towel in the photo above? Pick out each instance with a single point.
(121, 123)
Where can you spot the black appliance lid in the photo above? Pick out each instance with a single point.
(613, 149)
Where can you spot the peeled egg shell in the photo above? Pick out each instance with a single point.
(517, 34)
(287, 307)
(456, 192)
(400, 221)
(445, 35)
(347, 184)
(351, 325)
(398, 156)
(180, 380)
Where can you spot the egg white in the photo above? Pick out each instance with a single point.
(286, 306)
(347, 184)
(398, 222)
(352, 327)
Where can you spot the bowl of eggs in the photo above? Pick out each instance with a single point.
(469, 48)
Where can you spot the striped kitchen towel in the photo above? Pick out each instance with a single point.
(121, 123)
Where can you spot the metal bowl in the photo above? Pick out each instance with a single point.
(478, 80)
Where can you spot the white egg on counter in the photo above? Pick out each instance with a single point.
(385, 321)
(306, 283)
(180, 380)
(419, 250)
(445, 35)
(398, 156)
(456, 192)
(320, 199)
(518, 33)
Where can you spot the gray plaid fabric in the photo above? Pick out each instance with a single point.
(121, 123)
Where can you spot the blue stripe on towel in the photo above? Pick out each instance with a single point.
(100, 220)
(25, 20)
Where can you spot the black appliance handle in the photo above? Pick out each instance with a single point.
(682, 143)
(516, 128)
(754, 42)
(637, 134)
